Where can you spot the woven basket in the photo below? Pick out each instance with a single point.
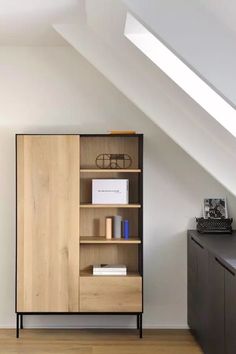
(208, 226)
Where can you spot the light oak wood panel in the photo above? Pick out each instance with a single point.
(48, 223)
(110, 293)
(91, 147)
(93, 220)
(124, 206)
(109, 254)
(86, 185)
(98, 341)
(106, 170)
(99, 239)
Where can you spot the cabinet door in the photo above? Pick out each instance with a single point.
(192, 284)
(216, 307)
(202, 296)
(197, 290)
(47, 223)
(230, 312)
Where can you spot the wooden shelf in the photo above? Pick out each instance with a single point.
(99, 239)
(109, 170)
(110, 206)
(88, 273)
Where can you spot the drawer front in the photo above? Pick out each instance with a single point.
(110, 294)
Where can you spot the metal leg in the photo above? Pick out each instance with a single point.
(138, 321)
(141, 326)
(17, 325)
(21, 322)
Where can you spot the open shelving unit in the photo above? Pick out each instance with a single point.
(94, 247)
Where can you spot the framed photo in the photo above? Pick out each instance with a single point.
(215, 208)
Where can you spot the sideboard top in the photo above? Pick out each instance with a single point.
(223, 246)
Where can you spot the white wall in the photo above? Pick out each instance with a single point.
(54, 90)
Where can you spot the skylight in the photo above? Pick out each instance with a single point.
(181, 74)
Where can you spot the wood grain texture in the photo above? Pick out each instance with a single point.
(93, 220)
(117, 206)
(110, 293)
(104, 240)
(48, 223)
(108, 171)
(98, 341)
(91, 147)
(86, 184)
(110, 254)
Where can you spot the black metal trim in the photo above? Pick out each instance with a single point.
(16, 223)
(140, 211)
(141, 326)
(19, 317)
(21, 322)
(17, 325)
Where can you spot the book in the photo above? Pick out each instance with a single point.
(117, 221)
(126, 229)
(108, 228)
(109, 269)
(122, 132)
(110, 274)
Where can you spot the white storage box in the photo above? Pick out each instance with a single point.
(110, 191)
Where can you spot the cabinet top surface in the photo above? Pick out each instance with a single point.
(222, 246)
(87, 135)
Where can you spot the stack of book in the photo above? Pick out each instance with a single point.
(109, 269)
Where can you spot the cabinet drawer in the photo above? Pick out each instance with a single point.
(110, 294)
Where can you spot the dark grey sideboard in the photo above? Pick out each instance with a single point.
(212, 291)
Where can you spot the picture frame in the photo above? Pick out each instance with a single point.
(215, 208)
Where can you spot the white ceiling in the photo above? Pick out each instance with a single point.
(225, 11)
(29, 22)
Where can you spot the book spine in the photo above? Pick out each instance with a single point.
(117, 226)
(127, 191)
(108, 228)
(126, 229)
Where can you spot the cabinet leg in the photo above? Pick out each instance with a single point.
(138, 325)
(21, 322)
(17, 325)
(141, 326)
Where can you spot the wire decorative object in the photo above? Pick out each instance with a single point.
(113, 161)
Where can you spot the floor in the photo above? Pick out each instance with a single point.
(93, 341)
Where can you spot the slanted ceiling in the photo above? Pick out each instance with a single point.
(101, 41)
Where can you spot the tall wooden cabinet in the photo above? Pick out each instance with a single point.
(61, 234)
